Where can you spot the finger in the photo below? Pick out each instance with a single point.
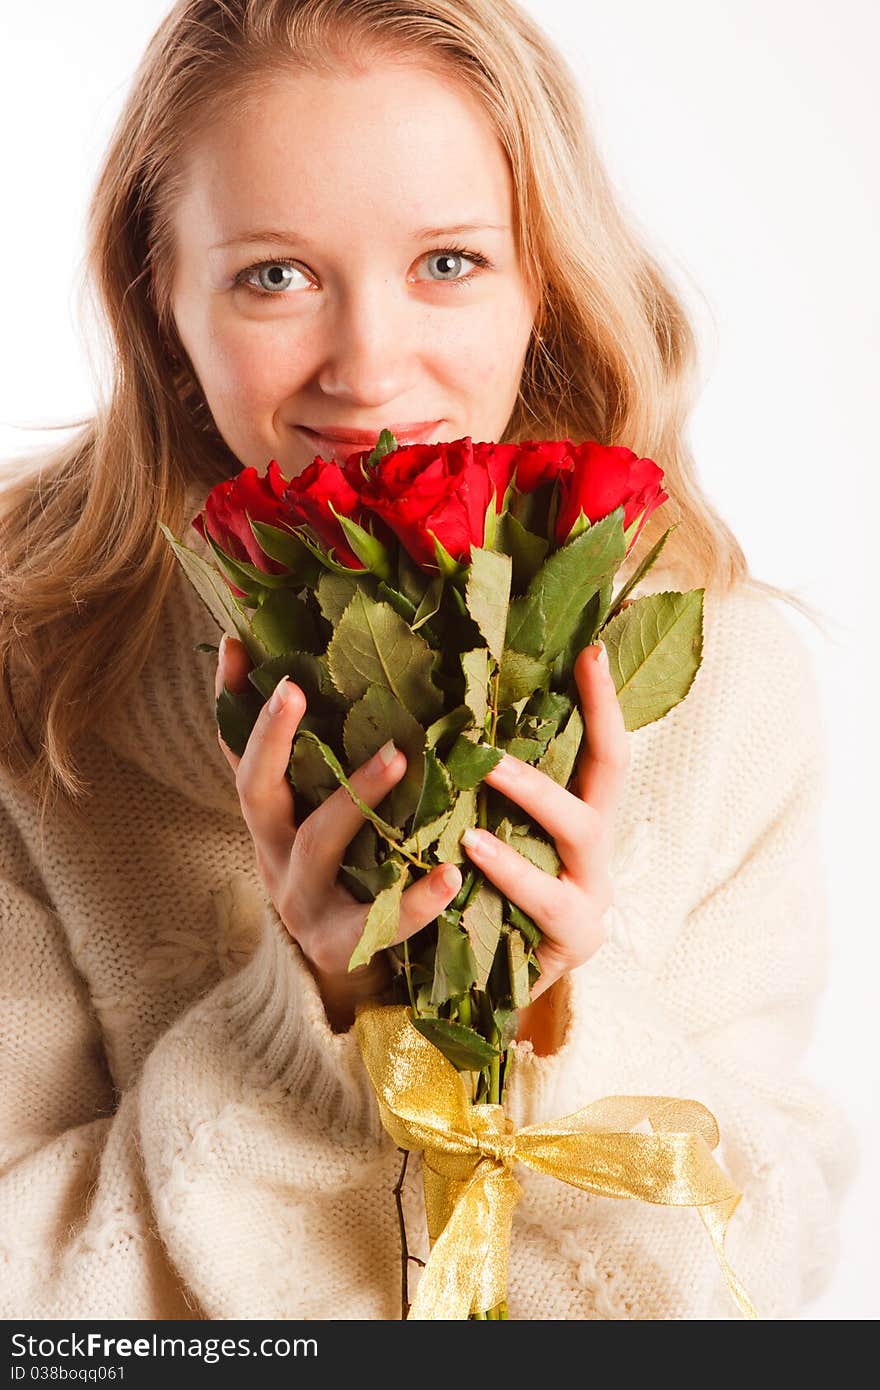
(325, 835)
(604, 756)
(423, 900)
(233, 665)
(554, 903)
(575, 826)
(261, 777)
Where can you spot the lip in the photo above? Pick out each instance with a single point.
(335, 442)
(368, 437)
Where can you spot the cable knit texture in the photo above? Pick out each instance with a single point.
(182, 1135)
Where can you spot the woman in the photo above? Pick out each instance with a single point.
(190, 1130)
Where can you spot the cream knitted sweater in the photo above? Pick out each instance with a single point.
(183, 1136)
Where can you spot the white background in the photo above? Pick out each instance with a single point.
(738, 134)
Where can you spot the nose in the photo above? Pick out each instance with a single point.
(372, 346)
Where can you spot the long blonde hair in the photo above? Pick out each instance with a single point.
(84, 568)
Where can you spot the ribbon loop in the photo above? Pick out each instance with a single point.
(470, 1150)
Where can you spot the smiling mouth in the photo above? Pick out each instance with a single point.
(341, 444)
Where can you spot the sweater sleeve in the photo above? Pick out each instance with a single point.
(75, 1230)
(147, 1203)
(722, 1013)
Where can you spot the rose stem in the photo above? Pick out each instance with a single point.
(404, 1251)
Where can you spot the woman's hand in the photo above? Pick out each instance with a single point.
(299, 863)
(568, 909)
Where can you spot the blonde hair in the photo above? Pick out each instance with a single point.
(84, 568)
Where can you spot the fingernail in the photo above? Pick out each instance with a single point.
(222, 653)
(450, 878)
(474, 840)
(381, 759)
(602, 658)
(279, 695)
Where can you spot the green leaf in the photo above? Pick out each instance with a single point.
(244, 575)
(287, 548)
(386, 593)
(334, 593)
(421, 841)
(437, 793)
(464, 813)
(370, 722)
(446, 564)
(327, 558)
(526, 626)
(285, 623)
(370, 882)
(310, 673)
(507, 1023)
(519, 974)
(372, 645)
(526, 749)
(530, 846)
(429, 603)
(385, 444)
(654, 651)
(565, 583)
(383, 921)
(475, 665)
(237, 712)
(367, 547)
(526, 550)
(364, 848)
(448, 725)
(214, 592)
(412, 581)
(490, 525)
(482, 919)
(454, 966)
(559, 760)
(487, 594)
(553, 706)
(638, 574)
(390, 832)
(468, 762)
(463, 1047)
(519, 676)
(310, 775)
(582, 635)
(524, 923)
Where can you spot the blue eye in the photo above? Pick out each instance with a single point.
(459, 253)
(275, 271)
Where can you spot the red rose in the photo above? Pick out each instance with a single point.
(499, 460)
(230, 503)
(541, 461)
(308, 499)
(439, 489)
(604, 477)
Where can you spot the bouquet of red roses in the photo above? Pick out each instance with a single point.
(438, 595)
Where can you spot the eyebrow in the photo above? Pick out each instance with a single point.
(284, 238)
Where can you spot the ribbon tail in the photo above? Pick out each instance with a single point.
(467, 1267)
(715, 1217)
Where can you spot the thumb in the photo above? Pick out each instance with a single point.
(233, 665)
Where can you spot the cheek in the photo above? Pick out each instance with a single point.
(495, 350)
(252, 370)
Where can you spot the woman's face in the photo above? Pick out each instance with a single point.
(353, 315)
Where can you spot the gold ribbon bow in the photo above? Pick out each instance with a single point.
(469, 1151)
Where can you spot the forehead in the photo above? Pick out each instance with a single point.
(395, 147)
